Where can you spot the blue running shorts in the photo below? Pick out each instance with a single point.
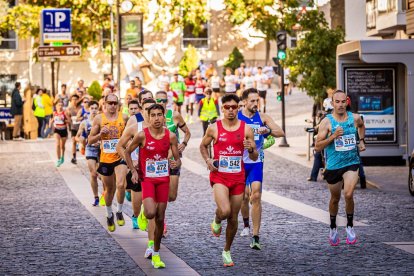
(253, 172)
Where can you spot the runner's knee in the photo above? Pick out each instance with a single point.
(256, 197)
(349, 195)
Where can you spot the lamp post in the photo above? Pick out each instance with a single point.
(111, 3)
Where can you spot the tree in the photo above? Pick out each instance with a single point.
(314, 59)
(267, 16)
(95, 90)
(234, 60)
(189, 61)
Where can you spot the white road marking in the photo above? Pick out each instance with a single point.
(279, 201)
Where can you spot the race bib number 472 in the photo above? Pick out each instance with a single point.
(157, 168)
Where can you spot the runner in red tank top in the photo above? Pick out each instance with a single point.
(60, 123)
(154, 142)
(231, 136)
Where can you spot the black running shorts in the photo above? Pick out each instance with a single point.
(136, 187)
(335, 176)
(107, 169)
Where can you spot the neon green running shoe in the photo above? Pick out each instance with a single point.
(142, 220)
(216, 228)
(102, 201)
(227, 261)
(156, 261)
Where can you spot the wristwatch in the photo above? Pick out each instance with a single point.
(185, 143)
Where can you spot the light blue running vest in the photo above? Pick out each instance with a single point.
(255, 123)
(343, 151)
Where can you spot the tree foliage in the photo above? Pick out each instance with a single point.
(234, 60)
(95, 90)
(189, 61)
(314, 59)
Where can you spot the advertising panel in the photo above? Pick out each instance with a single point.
(372, 93)
(131, 35)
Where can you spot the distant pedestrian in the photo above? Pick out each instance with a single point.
(39, 111)
(17, 111)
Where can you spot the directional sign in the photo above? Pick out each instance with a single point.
(56, 25)
(59, 51)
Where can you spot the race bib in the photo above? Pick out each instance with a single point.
(215, 84)
(109, 146)
(345, 142)
(199, 90)
(190, 88)
(59, 121)
(230, 164)
(74, 120)
(255, 131)
(157, 168)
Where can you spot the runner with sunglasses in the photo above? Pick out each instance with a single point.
(262, 126)
(154, 145)
(107, 127)
(231, 137)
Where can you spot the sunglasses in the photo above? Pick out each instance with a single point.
(85, 102)
(162, 100)
(227, 107)
(112, 103)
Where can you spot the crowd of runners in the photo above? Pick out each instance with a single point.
(135, 149)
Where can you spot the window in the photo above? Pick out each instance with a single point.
(8, 40)
(6, 87)
(201, 41)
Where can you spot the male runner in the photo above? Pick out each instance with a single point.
(174, 121)
(155, 143)
(91, 151)
(107, 127)
(72, 112)
(261, 82)
(337, 133)
(146, 94)
(262, 126)
(231, 137)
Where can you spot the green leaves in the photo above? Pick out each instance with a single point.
(189, 61)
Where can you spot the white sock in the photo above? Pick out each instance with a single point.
(155, 253)
(109, 211)
(119, 208)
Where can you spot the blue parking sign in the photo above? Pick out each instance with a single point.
(56, 25)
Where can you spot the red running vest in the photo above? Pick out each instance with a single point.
(59, 120)
(153, 158)
(228, 150)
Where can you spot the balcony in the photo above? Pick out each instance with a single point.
(385, 17)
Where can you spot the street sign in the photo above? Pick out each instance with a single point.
(56, 25)
(59, 51)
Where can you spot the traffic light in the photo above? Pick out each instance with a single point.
(277, 66)
(281, 40)
(279, 96)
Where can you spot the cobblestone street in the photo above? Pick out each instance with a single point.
(46, 230)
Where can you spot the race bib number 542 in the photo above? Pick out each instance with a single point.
(230, 164)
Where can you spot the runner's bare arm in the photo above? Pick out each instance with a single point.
(67, 113)
(79, 133)
(250, 144)
(208, 138)
(176, 163)
(123, 141)
(79, 115)
(183, 126)
(275, 129)
(361, 131)
(95, 133)
(321, 140)
(137, 141)
(131, 121)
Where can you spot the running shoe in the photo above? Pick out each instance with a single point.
(128, 195)
(350, 235)
(120, 219)
(255, 244)
(134, 222)
(142, 220)
(82, 151)
(191, 120)
(245, 232)
(111, 223)
(227, 261)
(102, 200)
(96, 202)
(148, 252)
(58, 163)
(333, 237)
(62, 160)
(73, 161)
(216, 228)
(156, 261)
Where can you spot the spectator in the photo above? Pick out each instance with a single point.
(208, 110)
(48, 106)
(17, 111)
(39, 111)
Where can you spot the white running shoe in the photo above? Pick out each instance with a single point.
(333, 237)
(245, 232)
(350, 235)
(148, 252)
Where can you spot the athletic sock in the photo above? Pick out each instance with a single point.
(109, 211)
(350, 219)
(155, 253)
(74, 156)
(119, 208)
(333, 221)
(246, 222)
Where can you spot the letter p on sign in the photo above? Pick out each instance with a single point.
(59, 18)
